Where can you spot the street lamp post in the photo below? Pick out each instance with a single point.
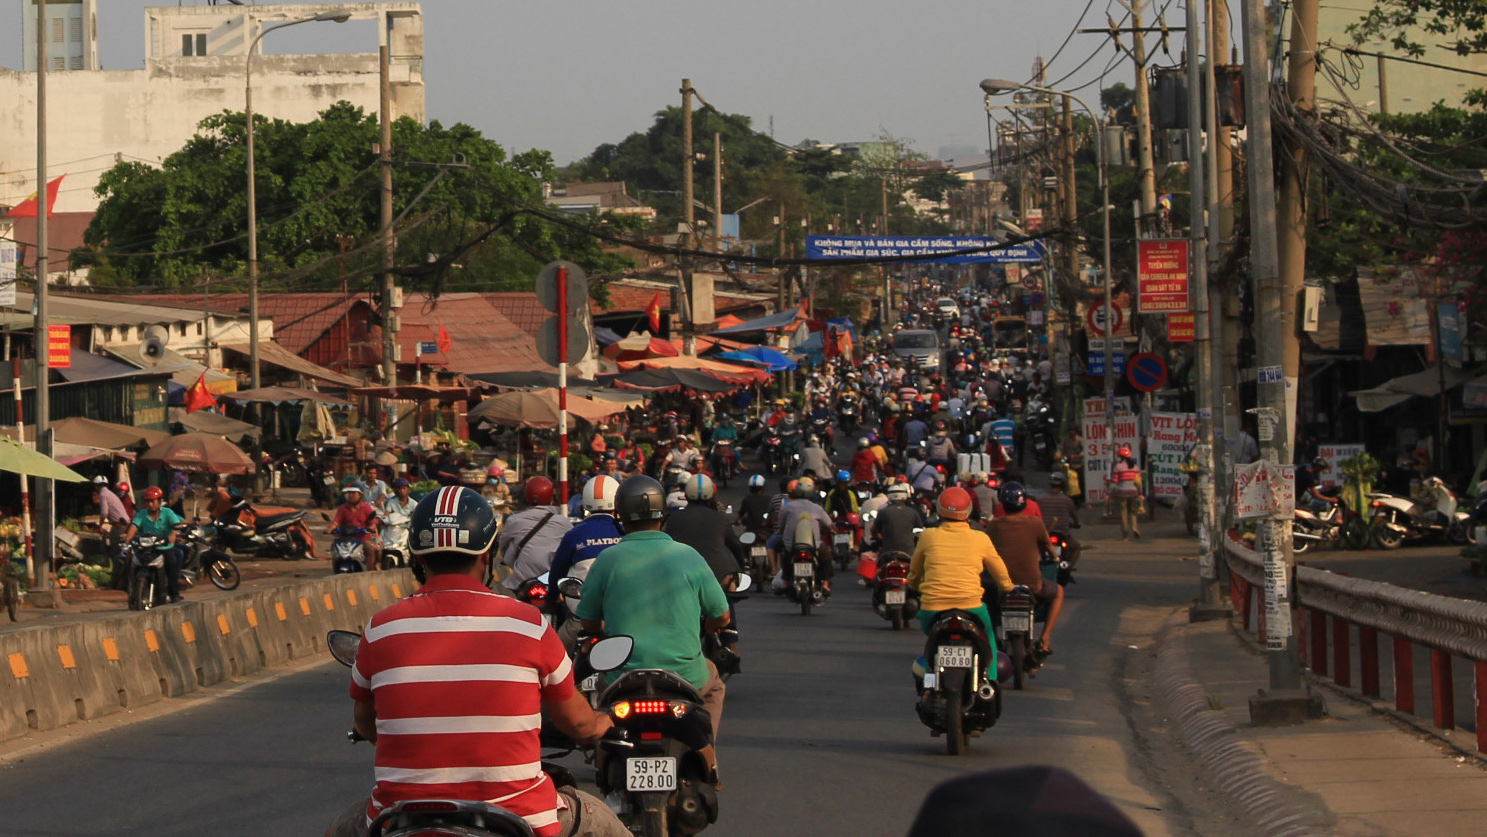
(337, 17)
(996, 87)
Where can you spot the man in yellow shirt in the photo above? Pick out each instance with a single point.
(947, 563)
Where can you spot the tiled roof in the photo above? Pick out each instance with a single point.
(482, 339)
(521, 308)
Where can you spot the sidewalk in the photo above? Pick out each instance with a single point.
(1356, 771)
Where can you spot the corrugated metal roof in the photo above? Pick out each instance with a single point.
(299, 318)
(112, 310)
(481, 337)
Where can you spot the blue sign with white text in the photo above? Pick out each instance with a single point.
(950, 249)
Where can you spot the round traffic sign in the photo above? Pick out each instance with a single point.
(1096, 318)
(1146, 371)
(578, 287)
(1035, 298)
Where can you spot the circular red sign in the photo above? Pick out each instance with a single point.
(1095, 318)
(1146, 371)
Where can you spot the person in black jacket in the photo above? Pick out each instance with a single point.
(702, 526)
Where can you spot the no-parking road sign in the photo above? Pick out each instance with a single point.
(1147, 372)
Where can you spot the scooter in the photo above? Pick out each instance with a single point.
(204, 559)
(805, 570)
(146, 562)
(758, 556)
(843, 532)
(412, 818)
(348, 551)
(958, 697)
(725, 461)
(652, 760)
(892, 598)
(718, 646)
(246, 531)
(771, 451)
(1437, 516)
(1333, 525)
(393, 534)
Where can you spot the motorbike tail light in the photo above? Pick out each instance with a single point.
(620, 710)
(678, 709)
(650, 736)
(538, 593)
(957, 636)
(650, 707)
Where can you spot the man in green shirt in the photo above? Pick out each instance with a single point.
(656, 590)
(157, 520)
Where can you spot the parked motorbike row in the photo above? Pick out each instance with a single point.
(1433, 515)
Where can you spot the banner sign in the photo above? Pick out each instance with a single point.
(1169, 437)
(1335, 454)
(1162, 275)
(1263, 489)
(59, 346)
(923, 249)
(1097, 454)
(9, 256)
(1182, 328)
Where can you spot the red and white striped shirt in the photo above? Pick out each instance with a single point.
(457, 676)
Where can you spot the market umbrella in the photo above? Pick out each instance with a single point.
(537, 409)
(16, 458)
(93, 433)
(198, 453)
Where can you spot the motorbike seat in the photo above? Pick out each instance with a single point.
(273, 521)
(649, 682)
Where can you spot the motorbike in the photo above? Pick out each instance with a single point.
(652, 760)
(393, 534)
(347, 551)
(758, 555)
(892, 598)
(204, 559)
(771, 451)
(958, 698)
(843, 532)
(145, 557)
(322, 482)
(725, 461)
(823, 429)
(246, 531)
(466, 818)
(718, 646)
(1436, 516)
(1334, 525)
(847, 414)
(804, 569)
(1038, 424)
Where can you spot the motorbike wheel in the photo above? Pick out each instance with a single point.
(12, 597)
(386, 562)
(653, 823)
(1384, 536)
(805, 601)
(224, 574)
(1355, 534)
(897, 618)
(144, 592)
(955, 734)
(1458, 534)
(301, 546)
(1017, 650)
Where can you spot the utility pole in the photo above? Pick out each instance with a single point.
(1148, 169)
(1071, 207)
(689, 223)
(389, 245)
(1301, 86)
(718, 188)
(1284, 701)
(46, 513)
(1223, 313)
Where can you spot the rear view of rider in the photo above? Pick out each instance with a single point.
(895, 523)
(1021, 540)
(802, 504)
(532, 535)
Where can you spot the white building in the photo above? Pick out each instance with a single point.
(195, 65)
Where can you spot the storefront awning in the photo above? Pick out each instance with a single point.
(1425, 383)
(273, 353)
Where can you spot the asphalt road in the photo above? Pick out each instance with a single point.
(819, 733)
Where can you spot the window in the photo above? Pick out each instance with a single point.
(58, 30)
(75, 30)
(186, 45)
(194, 44)
(201, 44)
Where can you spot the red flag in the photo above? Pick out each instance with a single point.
(653, 313)
(27, 207)
(197, 397)
(442, 338)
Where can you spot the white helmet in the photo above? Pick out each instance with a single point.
(899, 491)
(598, 493)
(756, 481)
(700, 487)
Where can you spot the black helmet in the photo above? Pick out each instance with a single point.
(640, 498)
(1320, 463)
(1013, 496)
(1057, 479)
(452, 519)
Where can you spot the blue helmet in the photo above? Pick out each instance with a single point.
(756, 481)
(843, 476)
(1013, 497)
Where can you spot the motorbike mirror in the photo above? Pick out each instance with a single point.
(610, 653)
(343, 645)
(745, 581)
(728, 509)
(571, 588)
(918, 530)
(542, 578)
(747, 538)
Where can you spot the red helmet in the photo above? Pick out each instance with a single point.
(538, 492)
(122, 487)
(154, 493)
(1125, 450)
(955, 504)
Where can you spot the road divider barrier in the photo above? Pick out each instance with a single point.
(1340, 622)
(58, 674)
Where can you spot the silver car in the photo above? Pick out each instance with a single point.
(918, 347)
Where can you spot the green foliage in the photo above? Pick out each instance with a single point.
(1399, 23)
(318, 208)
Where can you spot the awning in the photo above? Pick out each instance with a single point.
(524, 380)
(780, 319)
(206, 421)
(772, 359)
(276, 355)
(1425, 383)
(90, 367)
(284, 395)
(416, 392)
(670, 380)
(727, 371)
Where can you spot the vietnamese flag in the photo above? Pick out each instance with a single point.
(653, 313)
(27, 207)
(197, 397)
(442, 338)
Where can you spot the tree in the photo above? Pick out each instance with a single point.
(478, 224)
(1401, 22)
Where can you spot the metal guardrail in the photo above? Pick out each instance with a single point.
(1447, 627)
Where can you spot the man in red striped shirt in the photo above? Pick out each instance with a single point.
(451, 684)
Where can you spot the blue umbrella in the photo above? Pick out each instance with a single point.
(772, 359)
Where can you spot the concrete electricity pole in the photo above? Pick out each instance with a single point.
(1144, 159)
(46, 513)
(718, 188)
(389, 245)
(689, 223)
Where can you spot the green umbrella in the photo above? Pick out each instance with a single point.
(16, 458)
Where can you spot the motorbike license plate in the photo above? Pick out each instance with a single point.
(842, 539)
(1017, 622)
(758, 552)
(954, 656)
(650, 774)
(894, 597)
(805, 569)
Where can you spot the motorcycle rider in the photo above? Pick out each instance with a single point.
(582, 544)
(531, 536)
(923, 477)
(401, 687)
(397, 507)
(656, 590)
(356, 513)
(112, 521)
(895, 523)
(753, 510)
(802, 504)
(864, 465)
(704, 527)
(158, 521)
(984, 494)
(814, 460)
(940, 449)
(683, 456)
(1060, 514)
(1021, 540)
(841, 500)
(1309, 485)
(946, 565)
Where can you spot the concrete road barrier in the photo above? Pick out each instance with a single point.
(59, 674)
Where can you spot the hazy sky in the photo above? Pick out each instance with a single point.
(567, 76)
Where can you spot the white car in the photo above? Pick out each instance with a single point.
(946, 308)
